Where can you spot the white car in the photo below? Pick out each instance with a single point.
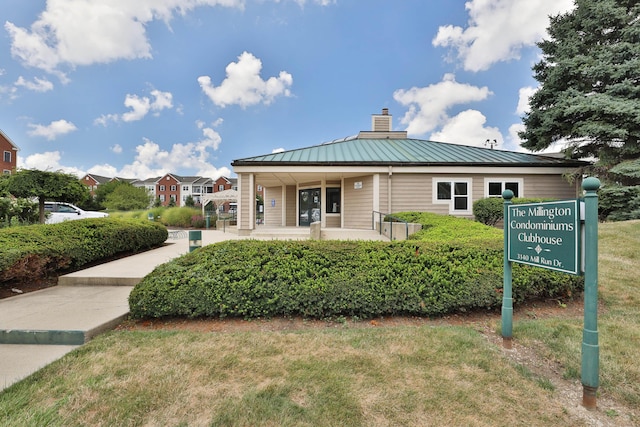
(59, 212)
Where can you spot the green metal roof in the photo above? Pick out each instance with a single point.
(409, 152)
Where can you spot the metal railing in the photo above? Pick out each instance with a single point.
(382, 216)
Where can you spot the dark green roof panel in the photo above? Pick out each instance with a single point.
(400, 152)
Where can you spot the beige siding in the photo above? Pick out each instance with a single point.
(291, 206)
(384, 194)
(412, 192)
(333, 220)
(273, 214)
(358, 203)
(244, 218)
(549, 186)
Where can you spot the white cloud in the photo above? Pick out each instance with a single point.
(105, 119)
(428, 105)
(468, 128)
(277, 150)
(70, 33)
(523, 99)
(37, 85)
(117, 149)
(52, 130)
(498, 29)
(243, 85)
(103, 170)
(47, 161)
(151, 160)
(140, 107)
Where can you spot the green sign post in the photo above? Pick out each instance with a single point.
(548, 235)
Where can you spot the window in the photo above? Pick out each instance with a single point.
(185, 188)
(220, 187)
(259, 188)
(197, 189)
(333, 200)
(6, 172)
(162, 188)
(162, 199)
(7, 157)
(493, 187)
(455, 192)
(173, 188)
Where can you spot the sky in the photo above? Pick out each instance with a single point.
(137, 89)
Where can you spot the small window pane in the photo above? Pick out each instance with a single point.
(444, 191)
(460, 203)
(333, 200)
(495, 189)
(513, 186)
(461, 189)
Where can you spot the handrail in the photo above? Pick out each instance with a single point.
(392, 219)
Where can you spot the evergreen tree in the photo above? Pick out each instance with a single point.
(590, 83)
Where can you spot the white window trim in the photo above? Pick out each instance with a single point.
(452, 211)
(503, 180)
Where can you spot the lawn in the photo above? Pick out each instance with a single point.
(354, 374)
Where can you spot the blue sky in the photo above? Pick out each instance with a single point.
(141, 88)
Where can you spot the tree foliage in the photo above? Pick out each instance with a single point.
(45, 185)
(590, 84)
(126, 197)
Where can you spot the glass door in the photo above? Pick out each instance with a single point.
(309, 206)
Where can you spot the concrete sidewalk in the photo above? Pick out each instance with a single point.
(40, 327)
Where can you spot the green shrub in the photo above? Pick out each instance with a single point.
(490, 210)
(246, 278)
(35, 251)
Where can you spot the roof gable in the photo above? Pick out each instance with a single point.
(6, 138)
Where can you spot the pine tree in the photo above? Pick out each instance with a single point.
(590, 83)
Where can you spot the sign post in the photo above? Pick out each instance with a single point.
(507, 300)
(548, 235)
(590, 348)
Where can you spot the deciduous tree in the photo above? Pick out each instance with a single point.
(45, 185)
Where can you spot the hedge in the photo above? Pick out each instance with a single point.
(320, 279)
(35, 251)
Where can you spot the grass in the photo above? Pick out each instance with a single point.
(618, 318)
(343, 376)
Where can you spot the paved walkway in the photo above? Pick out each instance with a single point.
(40, 327)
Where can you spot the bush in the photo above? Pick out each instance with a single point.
(319, 279)
(33, 252)
(490, 210)
(179, 217)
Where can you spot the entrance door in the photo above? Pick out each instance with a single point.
(309, 204)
